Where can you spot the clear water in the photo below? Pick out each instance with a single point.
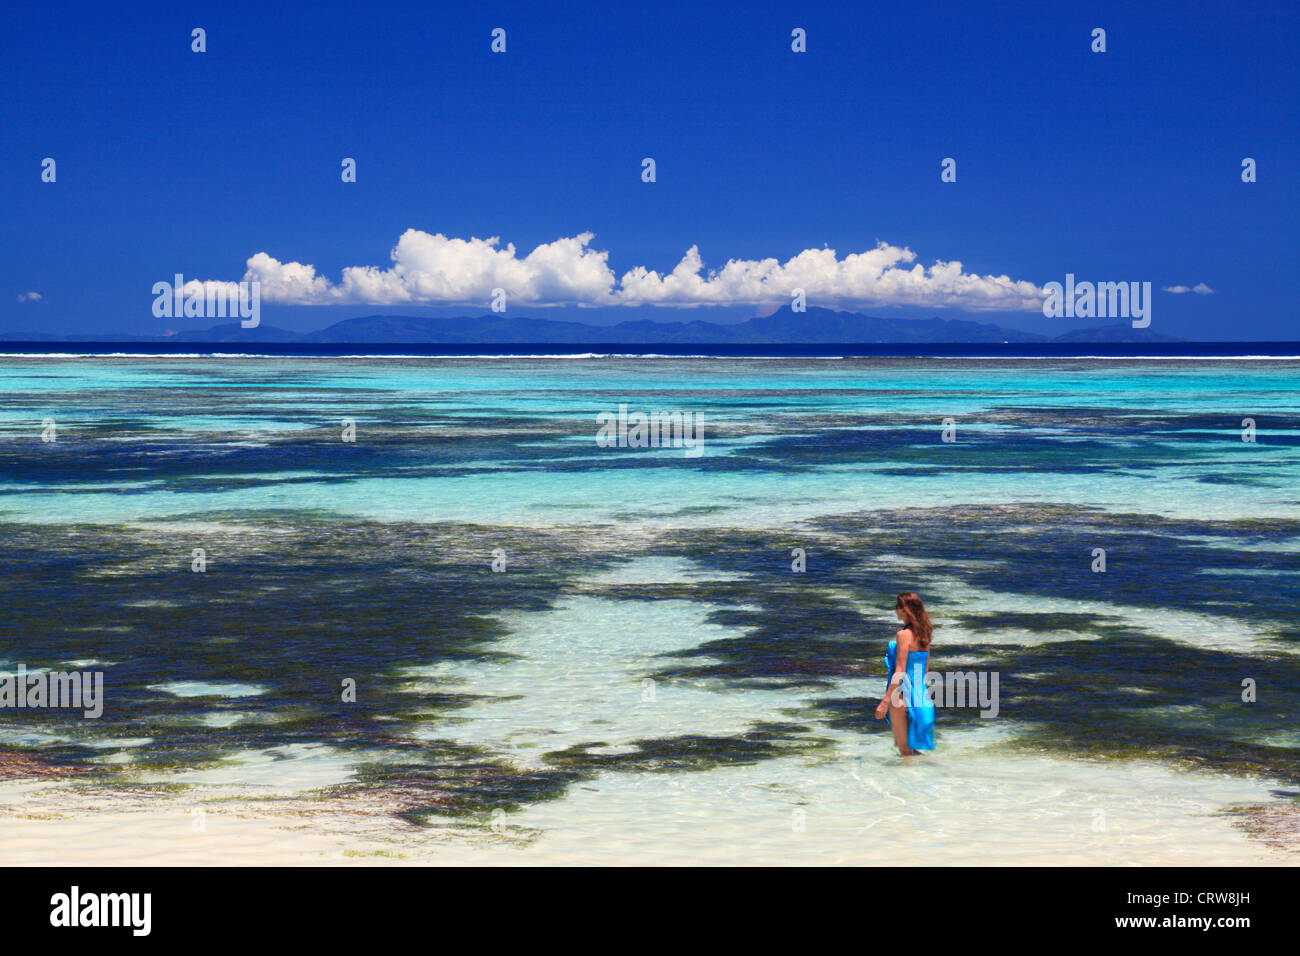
(648, 680)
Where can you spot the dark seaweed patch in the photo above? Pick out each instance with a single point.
(694, 751)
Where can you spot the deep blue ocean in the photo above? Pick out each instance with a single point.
(865, 350)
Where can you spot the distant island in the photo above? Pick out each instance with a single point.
(816, 326)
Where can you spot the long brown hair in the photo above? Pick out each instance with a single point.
(909, 602)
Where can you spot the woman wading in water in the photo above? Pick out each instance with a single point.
(907, 708)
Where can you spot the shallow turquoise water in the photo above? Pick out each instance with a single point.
(627, 569)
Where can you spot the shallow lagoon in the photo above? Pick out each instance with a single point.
(647, 680)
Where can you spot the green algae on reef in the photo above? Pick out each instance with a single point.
(294, 603)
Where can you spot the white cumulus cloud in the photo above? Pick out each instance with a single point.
(877, 277)
(29, 297)
(1200, 289)
(434, 269)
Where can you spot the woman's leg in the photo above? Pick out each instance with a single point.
(898, 723)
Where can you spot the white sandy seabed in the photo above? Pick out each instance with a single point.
(961, 809)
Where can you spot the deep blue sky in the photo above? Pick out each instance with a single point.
(1115, 166)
